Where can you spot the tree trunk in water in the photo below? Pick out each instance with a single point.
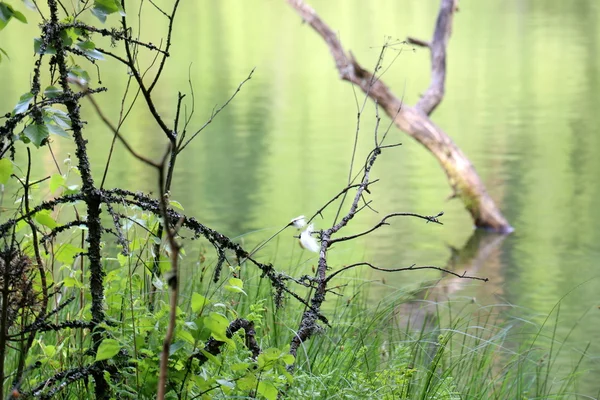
(415, 120)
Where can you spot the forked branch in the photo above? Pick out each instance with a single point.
(462, 177)
(443, 28)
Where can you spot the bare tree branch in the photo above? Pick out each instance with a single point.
(183, 145)
(443, 28)
(383, 222)
(410, 268)
(461, 174)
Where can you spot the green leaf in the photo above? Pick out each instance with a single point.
(288, 359)
(176, 204)
(54, 128)
(67, 36)
(52, 92)
(79, 74)
(19, 16)
(44, 218)
(146, 324)
(89, 49)
(271, 354)
(103, 8)
(69, 281)
(218, 324)
(49, 351)
(268, 390)
(6, 169)
(202, 333)
(107, 349)
(59, 116)
(23, 103)
(186, 336)
(100, 14)
(67, 252)
(198, 302)
(235, 285)
(238, 367)
(288, 376)
(6, 13)
(123, 259)
(37, 47)
(176, 346)
(36, 133)
(211, 357)
(227, 383)
(111, 6)
(20, 225)
(86, 45)
(247, 383)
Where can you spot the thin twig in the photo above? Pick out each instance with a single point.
(409, 268)
(181, 146)
(383, 222)
(167, 47)
(116, 132)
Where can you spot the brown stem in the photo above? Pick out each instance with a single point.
(40, 266)
(173, 281)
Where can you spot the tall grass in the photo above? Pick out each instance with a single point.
(456, 350)
(405, 346)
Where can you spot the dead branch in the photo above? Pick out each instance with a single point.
(443, 28)
(383, 222)
(409, 268)
(461, 174)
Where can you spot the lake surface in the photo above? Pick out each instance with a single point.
(522, 101)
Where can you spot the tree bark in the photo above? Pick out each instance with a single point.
(414, 120)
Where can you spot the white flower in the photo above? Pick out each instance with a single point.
(307, 241)
(299, 222)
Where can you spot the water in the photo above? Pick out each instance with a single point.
(522, 102)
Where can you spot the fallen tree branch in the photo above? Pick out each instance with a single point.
(443, 28)
(414, 121)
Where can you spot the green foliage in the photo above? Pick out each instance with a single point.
(7, 12)
(89, 49)
(230, 372)
(103, 8)
(36, 133)
(23, 103)
(108, 349)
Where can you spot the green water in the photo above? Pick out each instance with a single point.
(523, 94)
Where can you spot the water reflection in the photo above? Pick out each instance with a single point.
(478, 257)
